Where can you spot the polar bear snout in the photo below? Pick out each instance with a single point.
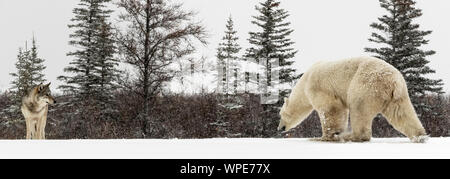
(286, 122)
(283, 125)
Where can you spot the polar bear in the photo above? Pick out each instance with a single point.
(359, 87)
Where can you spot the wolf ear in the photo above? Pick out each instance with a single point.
(47, 85)
(40, 87)
(286, 101)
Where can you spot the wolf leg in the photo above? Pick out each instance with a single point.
(33, 129)
(42, 124)
(28, 125)
(40, 128)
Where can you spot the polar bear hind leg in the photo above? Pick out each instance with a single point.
(401, 115)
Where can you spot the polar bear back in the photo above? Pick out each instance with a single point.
(368, 75)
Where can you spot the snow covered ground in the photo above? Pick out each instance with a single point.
(224, 149)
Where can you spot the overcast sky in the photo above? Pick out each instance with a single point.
(324, 30)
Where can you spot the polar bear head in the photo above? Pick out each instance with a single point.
(287, 121)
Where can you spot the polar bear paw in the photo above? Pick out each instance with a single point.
(420, 139)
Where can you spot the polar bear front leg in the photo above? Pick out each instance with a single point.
(361, 127)
(333, 116)
(361, 117)
(334, 123)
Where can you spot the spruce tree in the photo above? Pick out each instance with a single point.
(227, 55)
(106, 68)
(37, 65)
(93, 68)
(21, 82)
(269, 44)
(29, 72)
(401, 43)
(273, 43)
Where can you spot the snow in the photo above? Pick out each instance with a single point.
(224, 149)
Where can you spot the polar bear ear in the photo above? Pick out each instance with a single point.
(286, 101)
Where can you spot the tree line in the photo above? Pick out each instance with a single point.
(151, 35)
(397, 39)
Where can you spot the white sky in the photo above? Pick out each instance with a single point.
(324, 30)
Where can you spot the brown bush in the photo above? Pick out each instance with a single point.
(189, 116)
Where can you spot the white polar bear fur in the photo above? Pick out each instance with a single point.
(359, 88)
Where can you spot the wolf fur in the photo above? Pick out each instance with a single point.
(358, 87)
(35, 108)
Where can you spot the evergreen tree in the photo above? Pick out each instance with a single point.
(401, 41)
(29, 73)
(37, 65)
(228, 59)
(21, 79)
(93, 68)
(106, 68)
(272, 43)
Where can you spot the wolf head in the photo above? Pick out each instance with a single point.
(44, 94)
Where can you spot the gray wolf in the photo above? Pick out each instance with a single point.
(35, 109)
